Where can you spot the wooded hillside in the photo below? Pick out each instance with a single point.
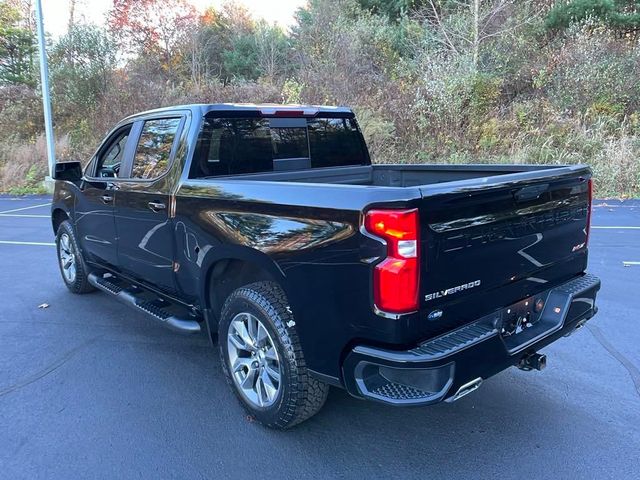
(461, 81)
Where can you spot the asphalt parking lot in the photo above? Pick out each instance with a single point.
(91, 389)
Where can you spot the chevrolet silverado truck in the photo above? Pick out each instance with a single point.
(268, 229)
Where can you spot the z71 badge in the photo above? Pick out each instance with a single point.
(450, 291)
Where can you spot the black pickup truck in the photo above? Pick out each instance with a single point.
(267, 228)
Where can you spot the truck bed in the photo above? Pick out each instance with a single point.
(388, 175)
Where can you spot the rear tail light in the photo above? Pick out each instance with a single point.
(590, 194)
(396, 279)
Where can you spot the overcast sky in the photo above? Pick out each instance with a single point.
(56, 12)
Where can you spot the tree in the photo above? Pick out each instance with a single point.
(241, 59)
(208, 39)
(228, 44)
(82, 63)
(273, 50)
(222, 45)
(17, 48)
(154, 28)
(465, 26)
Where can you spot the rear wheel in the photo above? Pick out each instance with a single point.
(262, 358)
(73, 269)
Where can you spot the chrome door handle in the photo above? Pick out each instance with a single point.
(106, 198)
(156, 206)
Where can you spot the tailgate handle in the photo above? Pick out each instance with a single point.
(530, 193)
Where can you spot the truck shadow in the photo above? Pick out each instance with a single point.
(507, 422)
(514, 418)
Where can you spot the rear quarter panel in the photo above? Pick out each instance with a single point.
(307, 236)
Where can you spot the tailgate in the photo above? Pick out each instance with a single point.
(485, 246)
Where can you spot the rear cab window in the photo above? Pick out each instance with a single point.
(153, 151)
(233, 146)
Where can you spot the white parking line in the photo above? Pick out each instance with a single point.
(43, 244)
(23, 216)
(614, 205)
(614, 228)
(25, 208)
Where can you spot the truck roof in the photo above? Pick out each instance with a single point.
(264, 108)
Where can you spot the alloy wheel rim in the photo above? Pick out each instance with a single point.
(67, 258)
(253, 359)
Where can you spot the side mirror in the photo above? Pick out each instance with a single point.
(69, 171)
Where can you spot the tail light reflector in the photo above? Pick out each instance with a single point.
(396, 279)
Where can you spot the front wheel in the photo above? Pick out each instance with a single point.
(73, 269)
(263, 360)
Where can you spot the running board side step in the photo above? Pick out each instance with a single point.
(113, 287)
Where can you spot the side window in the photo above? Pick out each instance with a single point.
(110, 159)
(154, 147)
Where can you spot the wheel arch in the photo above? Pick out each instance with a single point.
(63, 204)
(226, 271)
(58, 215)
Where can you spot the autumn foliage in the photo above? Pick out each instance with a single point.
(526, 81)
(155, 28)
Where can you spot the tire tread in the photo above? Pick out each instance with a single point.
(308, 394)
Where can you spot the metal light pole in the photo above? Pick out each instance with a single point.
(44, 80)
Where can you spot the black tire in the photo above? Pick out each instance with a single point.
(299, 396)
(79, 283)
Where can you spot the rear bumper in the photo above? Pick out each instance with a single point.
(446, 366)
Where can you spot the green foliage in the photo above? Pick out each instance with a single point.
(79, 134)
(292, 91)
(32, 183)
(603, 108)
(229, 45)
(485, 92)
(240, 61)
(617, 14)
(82, 64)
(17, 49)
(378, 132)
(393, 9)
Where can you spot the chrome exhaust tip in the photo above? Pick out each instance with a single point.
(465, 389)
(578, 326)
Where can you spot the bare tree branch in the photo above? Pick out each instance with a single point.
(442, 28)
